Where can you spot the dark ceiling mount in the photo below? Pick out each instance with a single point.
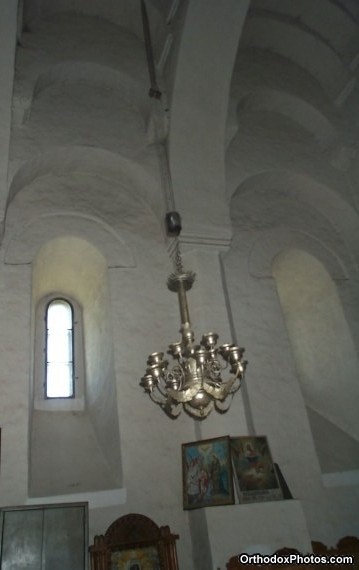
(173, 224)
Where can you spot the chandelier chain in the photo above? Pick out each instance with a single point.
(178, 257)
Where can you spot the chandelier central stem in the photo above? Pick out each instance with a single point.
(183, 306)
(180, 283)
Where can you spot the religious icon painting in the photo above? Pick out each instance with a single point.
(137, 558)
(254, 472)
(207, 473)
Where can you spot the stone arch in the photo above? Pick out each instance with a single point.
(282, 199)
(293, 107)
(124, 14)
(23, 246)
(80, 38)
(127, 177)
(338, 28)
(298, 44)
(195, 142)
(351, 8)
(270, 242)
(129, 89)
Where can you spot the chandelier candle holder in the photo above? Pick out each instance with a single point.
(194, 378)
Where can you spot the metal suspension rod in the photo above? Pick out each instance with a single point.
(183, 305)
(154, 90)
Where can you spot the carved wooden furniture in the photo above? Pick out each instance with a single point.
(129, 540)
(347, 546)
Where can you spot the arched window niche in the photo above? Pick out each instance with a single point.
(73, 443)
(325, 356)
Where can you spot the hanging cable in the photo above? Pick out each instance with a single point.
(154, 89)
(173, 219)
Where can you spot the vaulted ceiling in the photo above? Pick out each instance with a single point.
(273, 80)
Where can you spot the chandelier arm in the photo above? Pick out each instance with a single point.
(235, 387)
(220, 392)
(184, 395)
(161, 401)
(223, 406)
(241, 368)
(162, 390)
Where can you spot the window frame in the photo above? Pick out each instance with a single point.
(76, 402)
(72, 361)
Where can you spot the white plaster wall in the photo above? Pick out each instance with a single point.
(14, 387)
(8, 33)
(256, 529)
(81, 166)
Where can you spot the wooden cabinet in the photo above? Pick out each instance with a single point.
(44, 537)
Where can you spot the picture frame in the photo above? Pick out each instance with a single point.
(255, 476)
(207, 473)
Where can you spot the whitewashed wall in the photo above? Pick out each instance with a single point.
(83, 167)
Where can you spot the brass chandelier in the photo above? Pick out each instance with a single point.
(194, 378)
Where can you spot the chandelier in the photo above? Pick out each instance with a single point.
(193, 380)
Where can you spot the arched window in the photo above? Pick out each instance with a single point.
(59, 357)
(59, 350)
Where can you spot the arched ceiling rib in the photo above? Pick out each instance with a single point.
(124, 13)
(110, 77)
(351, 7)
(327, 20)
(199, 109)
(280, 199)
(294, 42)
(295, 108)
